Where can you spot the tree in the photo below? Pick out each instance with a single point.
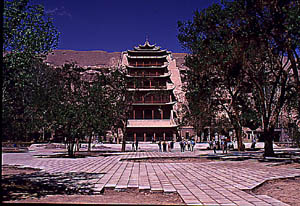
(247, 41)
(122, 101)
(215, 82)
(28, 35)
(103, 101)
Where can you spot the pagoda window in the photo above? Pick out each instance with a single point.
(138, 99)
(148, 114)
(165, 98)
(155, 84)
(166, 114)
(132, 115)
(148, 99)
(130, 84)
(138, 114)
(157, 114)
(156, 98)
(146, 84)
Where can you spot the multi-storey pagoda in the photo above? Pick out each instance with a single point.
(152, 117)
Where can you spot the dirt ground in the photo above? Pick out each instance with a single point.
(285, 190)
(109, 196)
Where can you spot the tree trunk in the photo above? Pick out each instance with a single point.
(268, 136)
(124, 140)
(239, 139)
(70, 145)
(89, 143)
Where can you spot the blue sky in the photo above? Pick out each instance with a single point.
(118, 25)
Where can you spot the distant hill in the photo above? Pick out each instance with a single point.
(98, 59)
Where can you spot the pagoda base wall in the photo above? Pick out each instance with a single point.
(151, 134)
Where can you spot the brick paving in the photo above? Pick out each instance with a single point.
(207, 183)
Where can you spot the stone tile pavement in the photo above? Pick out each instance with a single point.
(207, 183)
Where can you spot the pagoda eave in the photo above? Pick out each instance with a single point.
(160, 76)
(146, 67)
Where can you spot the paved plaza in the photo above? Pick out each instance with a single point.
(207, 183)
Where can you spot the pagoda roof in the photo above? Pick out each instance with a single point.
(147, 57)
(147, 46)
(147, 51)
(133, 123)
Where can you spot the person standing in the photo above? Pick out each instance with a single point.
(215, 146)
(137, 144)
(189, 145)
(225, 146)
(253, 143)
(192, 144)
(169, 146)
(181, 146)
(159, 146)
(133, 146)
(172, 144)
(164, 146)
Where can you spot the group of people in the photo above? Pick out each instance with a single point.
(187, 145)
(215, 144)
(135, 147)
(165, 146)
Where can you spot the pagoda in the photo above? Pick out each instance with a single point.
(152, 117)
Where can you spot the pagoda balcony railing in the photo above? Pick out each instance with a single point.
(152, 102)
(148, 87)
(149, 74)
(146, 65)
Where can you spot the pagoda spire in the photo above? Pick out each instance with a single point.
(147, 39)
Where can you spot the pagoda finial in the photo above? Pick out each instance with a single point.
(147, 38)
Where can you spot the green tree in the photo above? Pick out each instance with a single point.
(248, 42)
(28, 34)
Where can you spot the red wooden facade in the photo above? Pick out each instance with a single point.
(152, 116)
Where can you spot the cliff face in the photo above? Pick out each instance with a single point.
(99, 59)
